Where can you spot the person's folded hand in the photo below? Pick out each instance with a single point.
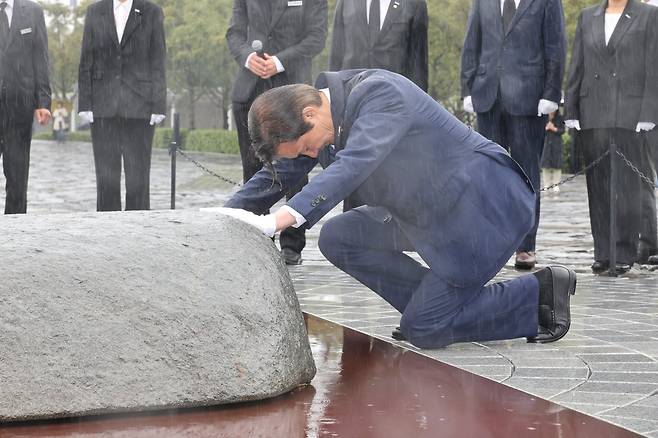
(266, 224)
(572, 124)
(87, 116)
(156, 119)
(546, 107)
(645, 126)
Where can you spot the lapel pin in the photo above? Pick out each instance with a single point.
(627, 16)
(396, 4)
(137, 11)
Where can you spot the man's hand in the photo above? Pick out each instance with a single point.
(257, 65)
(42, 115)
(156, 119)
(546, 107)
(87, 116)
(645, 126)
(572, 124)
(266, 224)
(468, 105)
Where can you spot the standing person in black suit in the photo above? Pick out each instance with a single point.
(511, 73)
(123, 94)
(291, 32)
(24, 92)
(647, 251)
(612, 95)
(392, 36)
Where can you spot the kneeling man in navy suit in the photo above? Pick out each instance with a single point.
(431, 185)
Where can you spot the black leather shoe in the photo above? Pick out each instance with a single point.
(653, 260)
(397, 334)
(556, 285)
(622, 268)
(600, 266)
(291, 257)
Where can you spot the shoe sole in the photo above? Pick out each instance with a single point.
(571, 289)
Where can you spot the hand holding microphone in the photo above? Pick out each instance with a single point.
(260, 63)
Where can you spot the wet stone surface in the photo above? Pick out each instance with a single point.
(606, 366)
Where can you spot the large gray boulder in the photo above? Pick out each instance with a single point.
(114, 312)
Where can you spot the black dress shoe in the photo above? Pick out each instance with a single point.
(622, 268)
(397, 334)
(600, 266)
(556, 285)
(653, 260)
(291, 257)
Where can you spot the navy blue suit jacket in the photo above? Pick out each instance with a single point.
(524, 65)
(460, 199)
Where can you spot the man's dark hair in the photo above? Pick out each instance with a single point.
(276, 117)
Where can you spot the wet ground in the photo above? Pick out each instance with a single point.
(606, 366)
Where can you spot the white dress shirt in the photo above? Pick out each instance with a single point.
(502, 3)
(9, 10)
(121, 14)
(383, 9)
(611, 21)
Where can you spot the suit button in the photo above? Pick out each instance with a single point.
(614, 75)
(117, 77)
(596, 76)
(119, 58)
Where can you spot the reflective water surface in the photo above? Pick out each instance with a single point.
(364, 388)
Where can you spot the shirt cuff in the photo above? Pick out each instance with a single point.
(246, 63)
(299, 219)
(279, 66)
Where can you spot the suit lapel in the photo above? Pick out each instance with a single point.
(278, 9)
(523, 6)
(598, 28)
(107, 13)
(625, 21)
(395, 10)
(134, 21)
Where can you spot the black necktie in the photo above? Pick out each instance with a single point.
(4, 24)
(373, 20)
(509, 9)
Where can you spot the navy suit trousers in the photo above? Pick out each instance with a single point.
(435, 313)
(523, 137)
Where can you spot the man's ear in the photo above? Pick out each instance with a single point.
(309, 112)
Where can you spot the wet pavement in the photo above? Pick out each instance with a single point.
(606, 366)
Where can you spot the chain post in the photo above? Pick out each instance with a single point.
(173, 149)
(612, 271)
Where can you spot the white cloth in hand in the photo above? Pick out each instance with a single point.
(644, 126)
(156, 119)
(546, 107)
(572, 124)
(87, 116)
(266, 224)
(468, 105)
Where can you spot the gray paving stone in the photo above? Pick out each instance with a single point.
(634, 411)
(585, 397)
(619, 388)
(630, 377)
(566, 373)
(633, 424)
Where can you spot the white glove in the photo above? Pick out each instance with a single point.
(572, 124)
(468, 105)
(266, 224)
(546, 107)
(156, 119)
(87, 116)
(644, 126)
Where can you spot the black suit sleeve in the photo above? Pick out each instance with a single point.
(417, 59)
(40, 63)
(85, 67)
(337, 52)
(236, 34)
(471, 49)
(575, 78)
(649, 111)
(554, 50)
(157, 56)
(315, 37)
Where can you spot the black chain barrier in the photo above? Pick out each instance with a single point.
(577, 174)
(645, 178)
(205, 169)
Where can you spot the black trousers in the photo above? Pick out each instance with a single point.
(293, 238)
(115, 139)
(15, 139)
(627, 183)
(523, 137)
(649, 167)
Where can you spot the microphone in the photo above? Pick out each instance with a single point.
(257, 46)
